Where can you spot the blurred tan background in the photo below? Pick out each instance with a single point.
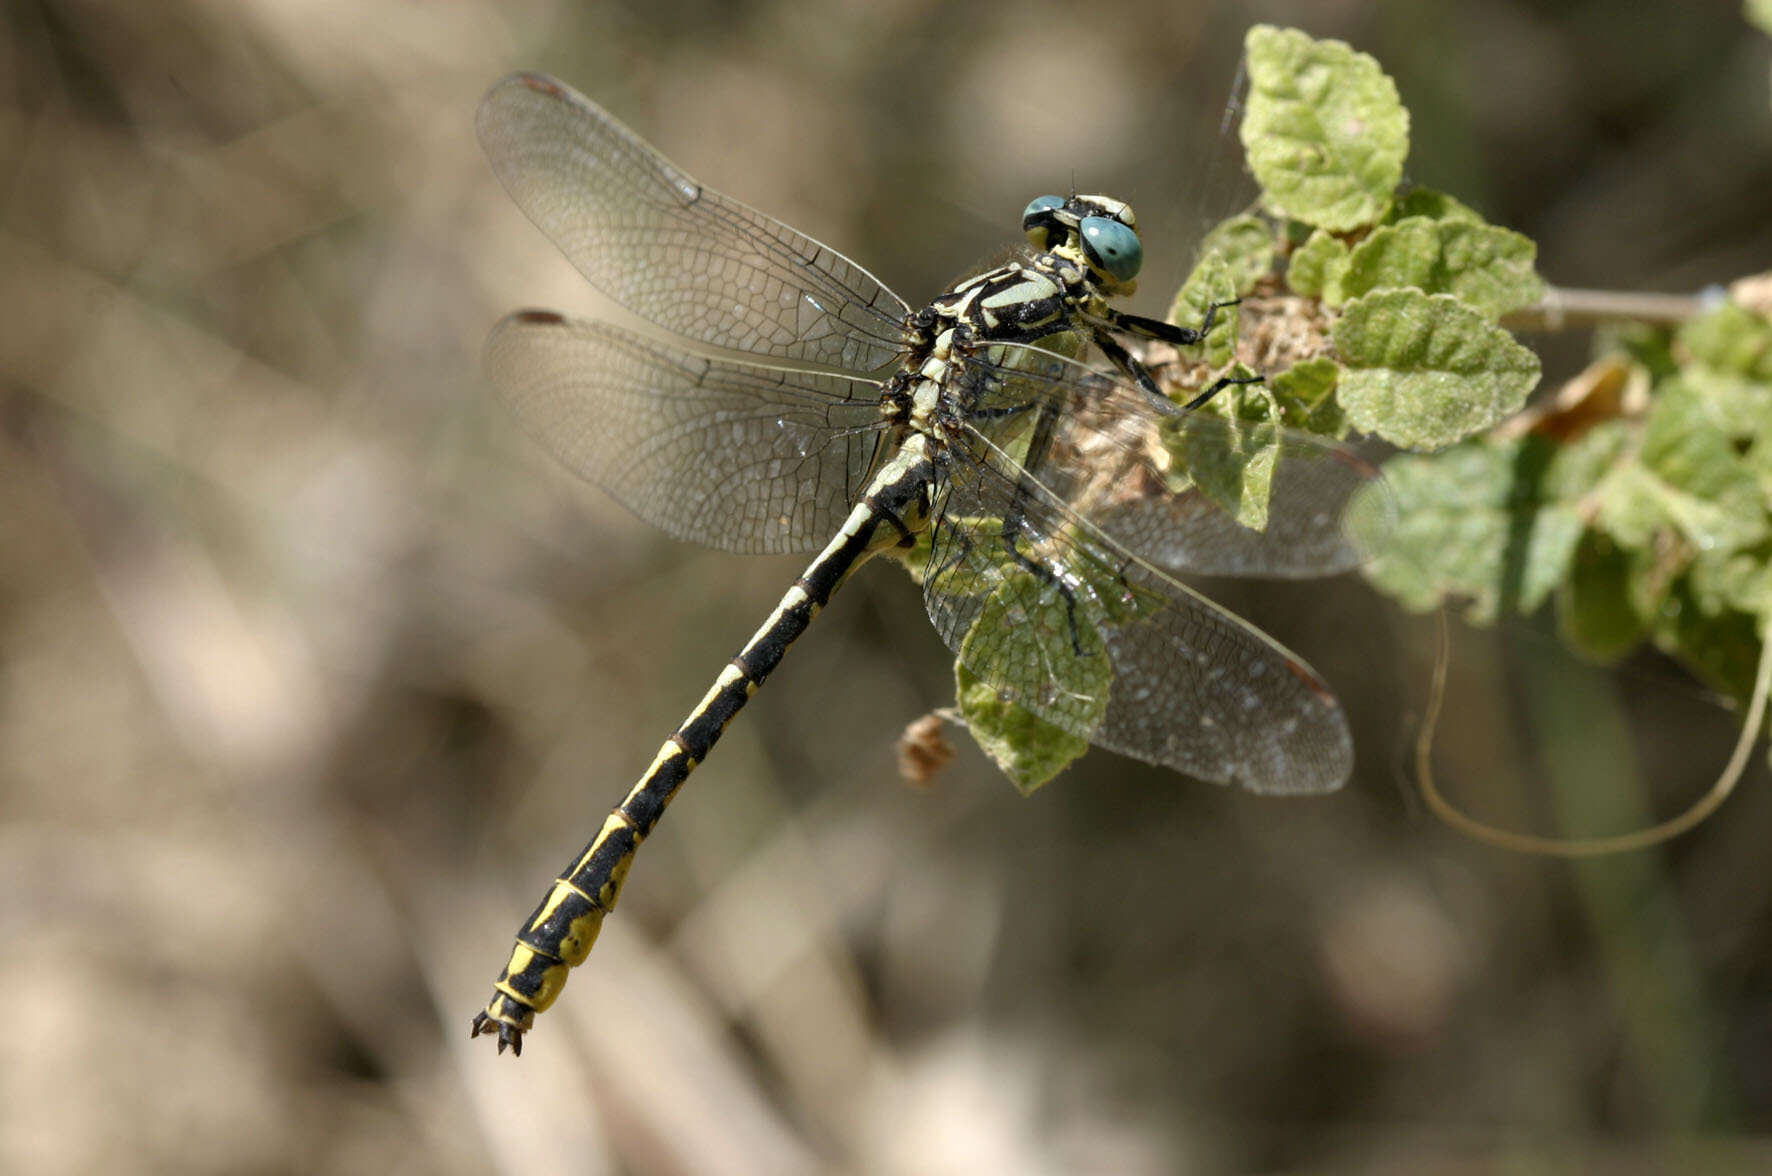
(312, 672)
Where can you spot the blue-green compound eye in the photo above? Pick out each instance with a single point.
(1038, 205)
(1112, 247)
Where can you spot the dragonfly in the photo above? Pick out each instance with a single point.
(790, 402)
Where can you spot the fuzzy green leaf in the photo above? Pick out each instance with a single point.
(1759, 12)
(1722, 648)
(1738, 580)
(1688, 479)
(1488, 267)
(1210, 283)
(1732, 340)
(1435, 206)
(1689, 442)
(1029, 749)
(1425, 370)
(1472, 524)
(1246, 244)
(1581, 464)
(1742, 407)
(1305, 394)
(1233, 467)
(1325, 132)
(1649, 347)
(1599, 613)
(1317, 267)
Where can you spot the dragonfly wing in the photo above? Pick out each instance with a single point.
(684, 257)
(1070, 626)
(733, 455)
(1186, 491)
(1043, 578)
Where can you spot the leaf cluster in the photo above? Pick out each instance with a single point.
(1396, 294)
(1373, 309)
(1638, 501)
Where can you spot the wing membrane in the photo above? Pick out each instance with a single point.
(1178, 488)
(1043, 576)
(740, 457)
(696, 263)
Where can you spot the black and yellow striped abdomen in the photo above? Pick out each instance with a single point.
(560, 933)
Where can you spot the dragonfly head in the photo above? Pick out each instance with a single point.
(1095, 231)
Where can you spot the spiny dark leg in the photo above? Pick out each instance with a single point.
(1128, 363)
(997, 414)
(1134, 324)
(1220, 385)
(1150, 328)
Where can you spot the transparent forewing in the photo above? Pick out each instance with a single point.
(1067, 623)
(740, 457)
(694, 262)
(1187, 491)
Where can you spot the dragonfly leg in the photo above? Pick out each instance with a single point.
(1220, 385)
(1150, 328)
(1130, 365)
(1037, 569)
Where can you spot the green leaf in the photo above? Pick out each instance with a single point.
(1324, 130)
(1488, 267)
(1688, 441)
(1425, 370)
(1738, 580)
(1233, 467)
(1599, 614)
(1759, 12)
(1210, 283)
(1688, 480)
(1029, 749)
(1723, 648)
(1649, 346)
(1317, 267)
(1472, 524)
(969, 567)
(1730, 339)
(1742, 407)
(1632, 507)
(1246, 244)
(1305, 394)
(1435, 206)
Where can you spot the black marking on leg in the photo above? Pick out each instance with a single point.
(1220, 385)
(997, 414)
(1128, 364)
(1150, 328)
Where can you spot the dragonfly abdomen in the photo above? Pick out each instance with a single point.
(560, 933)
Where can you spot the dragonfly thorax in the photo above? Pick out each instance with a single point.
(1018, 302)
